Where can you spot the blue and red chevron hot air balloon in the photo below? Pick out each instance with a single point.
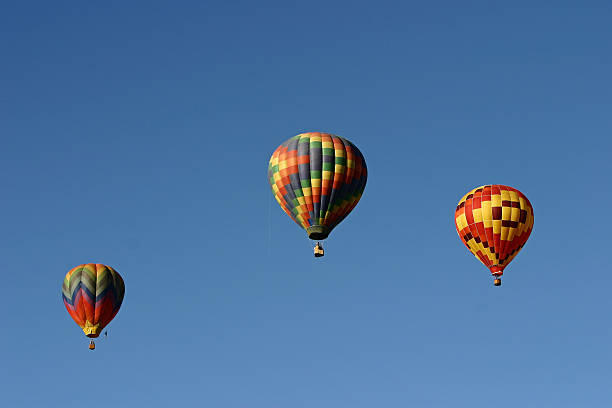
(93, 294)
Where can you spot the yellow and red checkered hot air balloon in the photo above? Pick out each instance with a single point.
(494, 222)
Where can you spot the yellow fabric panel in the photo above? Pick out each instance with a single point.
(473, 246)
(506, 213)
(497, 226)
(515, 214)
(504, 233)
(462, 222)
(496, 200)
(487, 217)
(477, 214)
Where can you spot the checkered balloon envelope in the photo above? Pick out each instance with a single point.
(317, 179)
(494, 222)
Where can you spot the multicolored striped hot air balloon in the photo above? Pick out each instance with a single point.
(317, 178)
(92, 294)
(494, 222)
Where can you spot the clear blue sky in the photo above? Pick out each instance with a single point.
(137, 134)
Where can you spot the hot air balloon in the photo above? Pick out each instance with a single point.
(494, 222)
(92, 294)
(317, 178)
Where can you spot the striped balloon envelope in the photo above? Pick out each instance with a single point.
(317, 178)
(494, 222)
(93, 294)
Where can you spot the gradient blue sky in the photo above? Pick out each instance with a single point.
(137, 134)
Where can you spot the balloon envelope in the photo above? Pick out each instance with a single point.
(92, 294)
(317, 178)
(494, 222)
